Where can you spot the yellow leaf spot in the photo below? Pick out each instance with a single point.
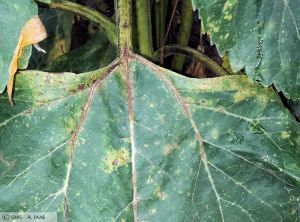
(167, 149)
(114, 159)
(32, 33)
(243, 94)
(152, 211)
(228, 17)
(285, 135)
(229, 4)
(190, 100)
(149, 180)
(159, 194)
(215, 133)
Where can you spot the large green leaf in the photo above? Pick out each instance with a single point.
(13, 16)
(136, 140)
(261, 36)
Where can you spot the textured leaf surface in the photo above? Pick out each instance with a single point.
(261, 36)
(13, 16)
(136, 137)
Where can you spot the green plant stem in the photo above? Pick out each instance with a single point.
(124, 23)
(92, 15)
(169, 50)
(184, 32)
(160, 11)
(144, 28)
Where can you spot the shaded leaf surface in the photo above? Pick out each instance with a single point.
(261, 36)
(96, 53)
(58, 25)
(179, 149)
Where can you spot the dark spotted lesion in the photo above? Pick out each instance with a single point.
(115, 159)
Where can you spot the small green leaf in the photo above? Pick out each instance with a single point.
(261, 36)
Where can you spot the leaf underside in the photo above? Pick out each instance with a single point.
(92, 146)
(261, 36)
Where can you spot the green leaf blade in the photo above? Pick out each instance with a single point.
(84, 132)
(247, 151)
(260, 36)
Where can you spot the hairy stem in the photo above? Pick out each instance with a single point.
(124, 11)
(184, 32)
(144, 28)
(169, 50)
(92, 15)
